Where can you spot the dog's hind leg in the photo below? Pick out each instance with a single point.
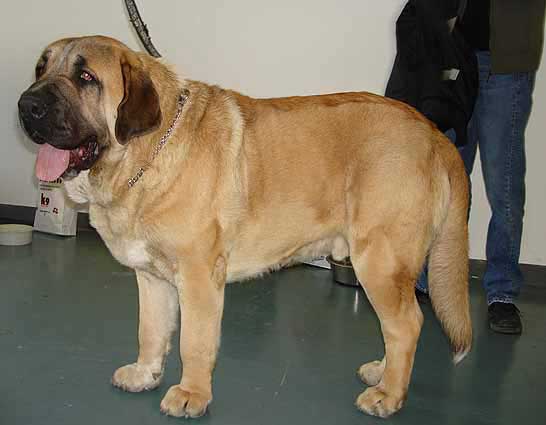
(388, 281)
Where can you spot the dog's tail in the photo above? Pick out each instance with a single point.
(448, 261)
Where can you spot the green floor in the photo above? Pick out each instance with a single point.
(291, 344)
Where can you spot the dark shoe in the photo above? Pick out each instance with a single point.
(504, 318)
(422, 297)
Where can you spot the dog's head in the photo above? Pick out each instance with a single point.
(90, 93)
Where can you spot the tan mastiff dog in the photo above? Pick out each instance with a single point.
(194, 186)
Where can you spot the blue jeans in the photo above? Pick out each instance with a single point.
(498, 127)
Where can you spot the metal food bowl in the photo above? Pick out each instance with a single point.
(343, 272)
(15, 234)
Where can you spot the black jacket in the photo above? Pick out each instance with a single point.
(435, 70)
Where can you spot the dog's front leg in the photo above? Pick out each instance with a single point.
(201, 296)
(158, 311)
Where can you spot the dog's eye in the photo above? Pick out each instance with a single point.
(39, 71)
(86, 76)
(40, 66)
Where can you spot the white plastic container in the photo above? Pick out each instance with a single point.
(15, 234)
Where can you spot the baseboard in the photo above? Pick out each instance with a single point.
(25, 215)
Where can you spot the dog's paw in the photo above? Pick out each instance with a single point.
(372, 372)
(182, 402)
(136, 377)
(377, 402)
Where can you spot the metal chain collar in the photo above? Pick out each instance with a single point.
(181, 102)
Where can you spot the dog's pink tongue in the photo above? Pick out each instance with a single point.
(51, 162)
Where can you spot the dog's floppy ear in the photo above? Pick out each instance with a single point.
(139, 111)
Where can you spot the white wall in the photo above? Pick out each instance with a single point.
(263, 48)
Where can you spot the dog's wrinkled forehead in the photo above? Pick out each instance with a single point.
(96, 54)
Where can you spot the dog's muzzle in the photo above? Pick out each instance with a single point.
(45, 118)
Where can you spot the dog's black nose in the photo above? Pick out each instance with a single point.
(32, 107)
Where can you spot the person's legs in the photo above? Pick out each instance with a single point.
(422, 283)
(505, 105)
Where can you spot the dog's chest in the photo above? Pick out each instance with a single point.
(129, 248)
(131, 253)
